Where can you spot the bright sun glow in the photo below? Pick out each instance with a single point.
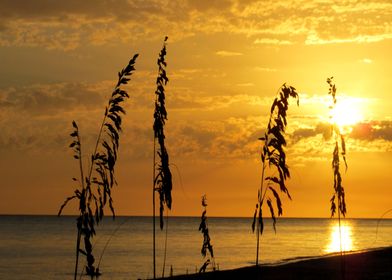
(346, 112)
(340, 239)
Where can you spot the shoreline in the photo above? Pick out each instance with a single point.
(365, 264)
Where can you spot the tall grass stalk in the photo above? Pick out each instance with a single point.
(206, 247)
(162, 177)
(94, 190)
(338, 152)
(275, 172)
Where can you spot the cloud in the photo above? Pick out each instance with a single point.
(230, 138)
(265, 69)
(323, 129)
(368, 131)
(366, 61)
(268, 41)
(245, 85)
(71, 24)
(314, 143)
(52, 99)
(42, 114)
(68, 25)
(182, 99)
(203, 6)
(228, 53)
(220, 126)
(374, 130)
(314, 39)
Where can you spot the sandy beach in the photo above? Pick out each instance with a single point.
(371, 264)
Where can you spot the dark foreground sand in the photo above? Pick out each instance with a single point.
(372, 264)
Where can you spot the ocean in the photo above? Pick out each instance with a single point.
(43, 247)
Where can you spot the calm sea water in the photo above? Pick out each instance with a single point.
(43, 247)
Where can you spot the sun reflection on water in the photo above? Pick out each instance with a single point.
(340, 239)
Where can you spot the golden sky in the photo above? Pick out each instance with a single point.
(226, 62)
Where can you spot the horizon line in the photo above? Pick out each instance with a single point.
(190, 216)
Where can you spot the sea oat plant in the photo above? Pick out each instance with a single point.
(94, 187)
(206, 247)
(339, 153)
(338, 194)
(162, 177)
(275, 171)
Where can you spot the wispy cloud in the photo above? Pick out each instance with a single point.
(314, 143)
(71, 24)
(314, 39)
(228, 53)
(375, 136)
(245, 85)
(231, 138)
(268, 41)
(265, 69)
(367, 60)
(323, 129)
(43, 114)
(52, 99)
(372, 130)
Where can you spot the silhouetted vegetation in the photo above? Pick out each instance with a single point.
(94, 187)
(273, 160)
(162, 177)
(338, 193)
(338, 137)
(206, 247)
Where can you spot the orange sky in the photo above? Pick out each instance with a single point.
(226, 61)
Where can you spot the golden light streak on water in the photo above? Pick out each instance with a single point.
(340, 239)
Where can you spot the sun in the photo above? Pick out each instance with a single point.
(346, 112)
